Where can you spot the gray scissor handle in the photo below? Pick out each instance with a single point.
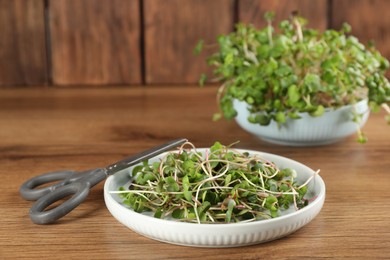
(28, 191)
(39, 215)
(76, 184)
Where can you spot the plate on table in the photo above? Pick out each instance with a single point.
(219, 235)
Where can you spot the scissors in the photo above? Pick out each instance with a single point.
(77, 184)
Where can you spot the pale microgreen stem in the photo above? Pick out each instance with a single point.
(192, 147)
(270, 36)
(263, 203)
(150, 184)
(246, 205)
(162, 201)
(268, 175)
(295, 199)
(220, 91)
(146, 191)
(210, 216)
(386, 107)
(213, 188)
(262, 180)
(309, 179)
(196, 205)
(175, 174)
(248, 220)
(207, 163)
(161, 169)
(299, 29)
(250, 55)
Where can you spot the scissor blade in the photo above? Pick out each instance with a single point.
(130, 161)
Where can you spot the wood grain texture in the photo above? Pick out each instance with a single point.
(369, 19)
(95, 42)
(60, 128)
(252, 11)
(22, 43)
(173, 28)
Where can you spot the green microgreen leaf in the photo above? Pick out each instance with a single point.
(280, 118)
(158, 213)
(318, 111)
(198, 47)
(229, 212)
(293, 94)
(178, 213)
(202, 79)
(269, 16)
(217, 116)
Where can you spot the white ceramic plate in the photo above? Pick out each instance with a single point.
(218, 235)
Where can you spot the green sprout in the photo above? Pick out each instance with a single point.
(297, 70)
(223, 185)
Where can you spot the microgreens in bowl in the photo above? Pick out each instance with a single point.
(223, 185)
(280, 75)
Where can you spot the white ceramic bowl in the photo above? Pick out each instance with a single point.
(218, 235)
(331, 127)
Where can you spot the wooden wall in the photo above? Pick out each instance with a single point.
(148, 42)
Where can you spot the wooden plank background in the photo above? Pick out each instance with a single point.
(148, 42)
(95, 42)
(22, 43)
(172, 30)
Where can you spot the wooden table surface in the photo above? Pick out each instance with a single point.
(45, 129)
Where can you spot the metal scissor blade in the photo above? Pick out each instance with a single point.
(125, 163)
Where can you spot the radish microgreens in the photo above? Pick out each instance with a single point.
(281, 74)
(224, 185)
